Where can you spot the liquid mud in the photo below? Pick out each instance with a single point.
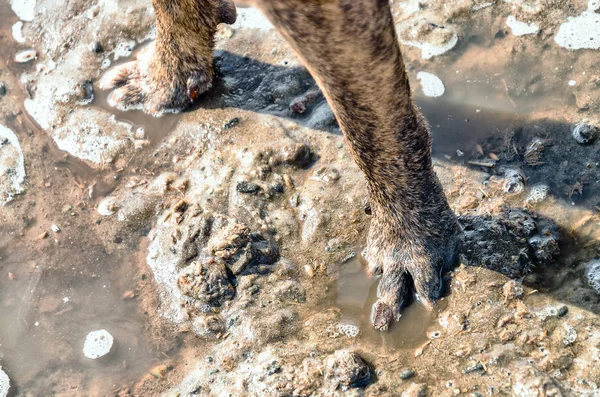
(354, 295)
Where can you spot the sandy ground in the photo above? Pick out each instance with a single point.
(110, 220)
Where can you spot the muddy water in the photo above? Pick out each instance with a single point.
(355, 293)
(47, 313)
(47, 309)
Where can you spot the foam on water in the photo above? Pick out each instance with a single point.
(429, 50)
(97, 344)
(581, 32)
(431, 84)
(521, 28)
(12, 166)
(25, 9)
(4, 383)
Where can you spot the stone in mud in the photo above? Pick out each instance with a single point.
(247, 187)
(206, 281)
(96, 47)
(508, 243)
(585, 134)
(345, 369)
(12, 166)
(97, 344)
(108, 206)
(4, 383)
(531, 381)
(406, 374)
(321, 118)
(545, 247)
(208, 325)
(17, 32)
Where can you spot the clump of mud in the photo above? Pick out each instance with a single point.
(345, 369)
(512, 243)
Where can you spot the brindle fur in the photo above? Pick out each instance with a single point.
(351, 49)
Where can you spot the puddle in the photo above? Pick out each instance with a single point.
(47, 313)
(355, 294)
(52, 296)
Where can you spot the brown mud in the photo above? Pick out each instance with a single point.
(278, 186)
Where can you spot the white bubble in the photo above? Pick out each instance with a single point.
(537, 194)
(351, 331)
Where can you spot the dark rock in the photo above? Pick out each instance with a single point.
(407, 374)
(562, 311)
(473, 368)
(231, 123)
(585, 134)
(2, 88)
(96, 47)
(247, 187)
(273, 368)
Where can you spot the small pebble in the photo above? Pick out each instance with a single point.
(25, 56)
(231, 123)
(473, 368)
(108, 206)
(562, 311)
(407, 374)
(55, 228)
(585, 133)
(273, 368)
(247, 187)
(96, 47)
